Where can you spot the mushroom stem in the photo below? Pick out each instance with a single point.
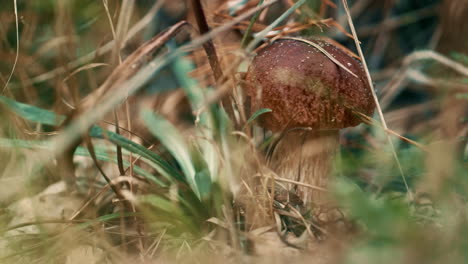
(306, 157)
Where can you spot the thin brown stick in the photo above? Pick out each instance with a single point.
(210, 51)
(118, 148)
(92, 153)
(208, 46)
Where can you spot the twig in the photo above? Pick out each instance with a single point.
(208, 45)
(210, 50)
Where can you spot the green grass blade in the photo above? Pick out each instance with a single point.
(32, 113)
(102, 153)
(104, 156)
(162, 166)
(42, 116)
(275, 23)
(174, 142)
(206, 129)
(246, 36)
(257, 113)
(181, 68)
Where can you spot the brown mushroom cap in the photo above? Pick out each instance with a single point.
(304, 88)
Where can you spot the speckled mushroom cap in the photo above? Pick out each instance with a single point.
(304, 88)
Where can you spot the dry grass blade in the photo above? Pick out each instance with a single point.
(202, 39)
(140, 25)
(219, 93)
(91, 114)
(128, 67)
(124, 18)
(275, 23)
(315, 45)
(90, 147)
(58, 221)
(88, 202)
(123, 23)
(124, 87)
(280, 179)
(399, 21)
(400, 79)
(17, 48)
(370, 121)
(84, 68)
(371, 86)
(429, 54)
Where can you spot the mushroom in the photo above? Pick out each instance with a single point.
(314, 89)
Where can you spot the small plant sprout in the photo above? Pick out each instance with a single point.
(314, 89)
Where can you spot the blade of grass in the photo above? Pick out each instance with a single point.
(255, 115)
(104, 156)
(130, 86)
(374, 95)
(42, 116)
(17, 48)
(115, 189)
(32, 113)
(123, 90)
(174, 142)
(116, 53)
(140, 25)
(181, 68)
(328, 55)
(275, 23)
(100, 151)
(246, 36)
(162, 166)
(167, 209)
